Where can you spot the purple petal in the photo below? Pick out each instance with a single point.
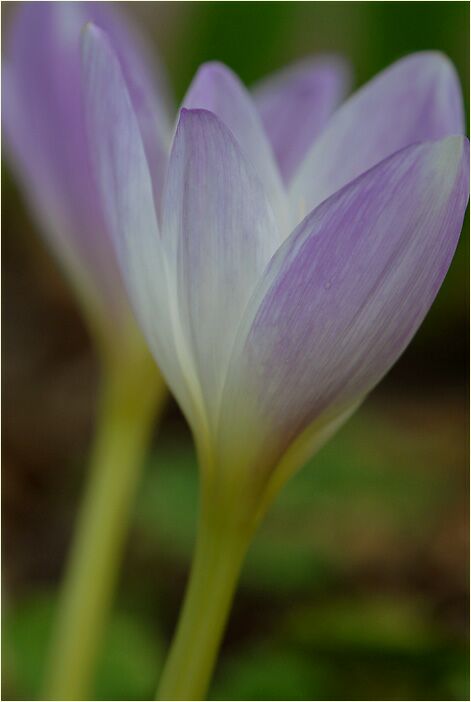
(46, 139)
(217, 89)
(147, 89)
(416, 99)
(344, 295)
(295, 105)
(124, 183)
(219, 232)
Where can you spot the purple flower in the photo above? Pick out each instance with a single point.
(274, 309)
(48, 148)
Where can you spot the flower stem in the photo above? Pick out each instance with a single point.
(220, 549)
(132, 395)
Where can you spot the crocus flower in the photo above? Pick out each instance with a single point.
(48, 148)
(274, 310)
(274, 292)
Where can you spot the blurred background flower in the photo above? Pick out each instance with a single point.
(48, 151)
(356, 586)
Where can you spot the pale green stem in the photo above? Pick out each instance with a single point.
(132, 396)
(220, 549)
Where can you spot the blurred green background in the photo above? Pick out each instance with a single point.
(357, 584)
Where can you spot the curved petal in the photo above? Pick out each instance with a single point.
(295, 105)
(219, 232)
(124, 183)
(45, 133)
(344, 295)
(147, 88)
(217, 89)
(416, 99)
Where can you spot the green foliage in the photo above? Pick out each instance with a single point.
(128, 668)
(268, 672)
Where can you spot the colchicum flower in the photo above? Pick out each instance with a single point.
(48, 150)
(271, 308)
(274, 294)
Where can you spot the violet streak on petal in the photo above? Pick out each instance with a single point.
(344, 295)
(295, 105)
(416, 99)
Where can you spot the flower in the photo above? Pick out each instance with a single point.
(48, 149)
(272, 307)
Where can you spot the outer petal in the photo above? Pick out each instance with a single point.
(295, 105)
(416, 99)
(342, 298)
(46, 139)
(147, 88)
(124, 183)
(219, 230)
(217, 89)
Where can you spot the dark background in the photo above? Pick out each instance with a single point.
(357, 585)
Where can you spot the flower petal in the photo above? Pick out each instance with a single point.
(295, 105)
(124, 183)
(217, 89)
(46, 140)
(147, 88)
(344, 295)
(416, 99)
(219, 231)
